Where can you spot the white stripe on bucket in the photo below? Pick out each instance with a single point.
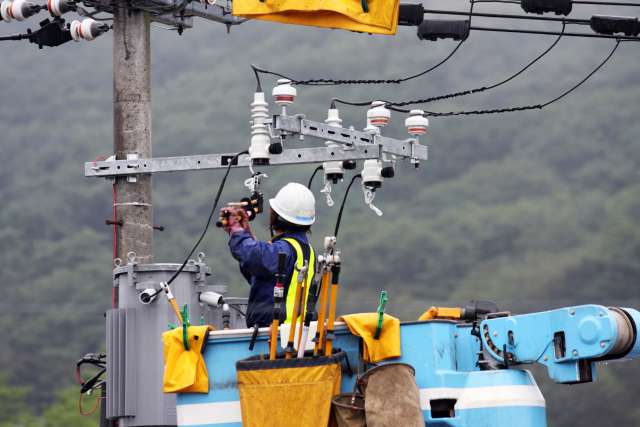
(466, 398)
(209, 413)
(484, 397)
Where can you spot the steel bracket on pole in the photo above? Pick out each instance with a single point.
(356, 145)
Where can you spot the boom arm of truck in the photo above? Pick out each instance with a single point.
(568, 341)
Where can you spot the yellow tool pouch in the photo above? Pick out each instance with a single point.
(380, 18)
(288, 393)
(185, 370)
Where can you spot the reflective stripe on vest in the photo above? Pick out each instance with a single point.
(291, 293)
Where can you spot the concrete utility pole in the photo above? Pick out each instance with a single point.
(132, 130)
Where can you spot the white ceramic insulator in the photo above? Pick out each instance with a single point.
(334, 120)
(5, 11)
(16, 10)
(378, 115)
(372, 173)
(284, 93)
(58, 7)
(75, 29)
(87, 29)
(416, 123)
(260, 139)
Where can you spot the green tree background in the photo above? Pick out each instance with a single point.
(534, 210)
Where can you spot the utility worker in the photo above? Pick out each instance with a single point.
(292, 212)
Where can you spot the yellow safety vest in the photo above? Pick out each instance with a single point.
(291, 293)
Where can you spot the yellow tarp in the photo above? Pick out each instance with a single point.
(288, 393)
(185, 371)
(364, 325)
(382, 17)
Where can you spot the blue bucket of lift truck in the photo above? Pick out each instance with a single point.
(453, 391)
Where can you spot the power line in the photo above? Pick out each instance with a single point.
(553, 33)
(525, 107)
(484, 88)
(335, 82)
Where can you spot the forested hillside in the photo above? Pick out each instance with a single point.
(534, 210)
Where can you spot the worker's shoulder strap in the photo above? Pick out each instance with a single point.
(303, 252)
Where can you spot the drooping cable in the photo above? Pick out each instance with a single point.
(211, 214)
(483, 88)
(344, 200)
(520, 108)
(335, 82)
(313, 175)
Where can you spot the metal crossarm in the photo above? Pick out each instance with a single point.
(110, 169)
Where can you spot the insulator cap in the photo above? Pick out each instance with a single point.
(333, 117)
(87, 29)
(284, 93)
(378, 115)
(18, 10)
(58, 7)
(5, 11)
(372, 173)
(416, 123)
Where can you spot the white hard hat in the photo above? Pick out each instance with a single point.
(295, 204)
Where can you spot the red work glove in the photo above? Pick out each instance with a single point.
(237, 220)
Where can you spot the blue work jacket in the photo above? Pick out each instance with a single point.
(258, 264)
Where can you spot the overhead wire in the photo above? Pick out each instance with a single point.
(483, 88)
(335, 82)
(520, 108)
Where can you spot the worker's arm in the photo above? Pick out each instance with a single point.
(256, 257)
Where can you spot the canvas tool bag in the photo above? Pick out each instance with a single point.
(391, 396)
(288, 393)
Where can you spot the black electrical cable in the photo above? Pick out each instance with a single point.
(334, 82)
(232, 161)
(520, 108)
(507, 16)
(595, 70)
(482, 88)
(313, 175)
(16, 37)
(606, 3)
(344, 199)
(553, 33)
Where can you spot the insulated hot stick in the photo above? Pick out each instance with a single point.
(302, 308)
(335, 277)
(278, 296)
(324, 296)
(290, 350)
(308, 317)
